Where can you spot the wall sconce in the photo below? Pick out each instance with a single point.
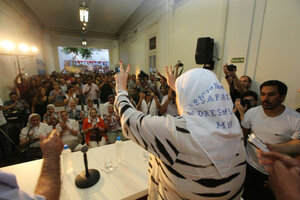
(24, 49)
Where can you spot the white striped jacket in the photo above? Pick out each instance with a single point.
(178, 167)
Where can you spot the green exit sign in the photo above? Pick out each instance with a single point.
(237, 60)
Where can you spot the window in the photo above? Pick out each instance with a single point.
(152, 43)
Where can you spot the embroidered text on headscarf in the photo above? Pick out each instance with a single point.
(210, 95)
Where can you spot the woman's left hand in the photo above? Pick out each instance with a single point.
(121, 77)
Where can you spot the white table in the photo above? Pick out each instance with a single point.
(127, 181)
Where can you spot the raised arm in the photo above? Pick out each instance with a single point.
(153, 133)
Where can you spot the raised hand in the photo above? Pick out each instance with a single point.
(52, 145)
(121, 77)
(171, 77)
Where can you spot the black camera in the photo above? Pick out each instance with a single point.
(147, 93)
(179, 63)
(245, 102)
(231, 68)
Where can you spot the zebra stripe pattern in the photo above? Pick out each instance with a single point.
(178, 167)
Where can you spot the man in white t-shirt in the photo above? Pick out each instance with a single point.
(68, 130)
(90, 90)
(273, 123)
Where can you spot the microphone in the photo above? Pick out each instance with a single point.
(88, 177)
(84, 149)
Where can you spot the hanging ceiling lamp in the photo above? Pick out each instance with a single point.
(84, 13)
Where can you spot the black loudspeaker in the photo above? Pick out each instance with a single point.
(204, 51)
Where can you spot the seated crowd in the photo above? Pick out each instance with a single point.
(81, 108)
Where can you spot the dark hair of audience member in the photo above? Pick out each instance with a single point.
(61, 112)
(282, 88)
(39, 95)
(251, 94)
(249, 79)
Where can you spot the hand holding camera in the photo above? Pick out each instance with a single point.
(240, 107)
(229, 70)
(142, 95)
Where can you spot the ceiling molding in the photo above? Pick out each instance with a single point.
(145, 9)
(25, 12)
(77, 33)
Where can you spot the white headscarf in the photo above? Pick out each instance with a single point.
(90, 119)
(207, 108)
(29, 119)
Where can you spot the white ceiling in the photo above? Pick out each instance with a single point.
(106, 16)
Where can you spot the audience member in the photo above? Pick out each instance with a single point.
(90, 90)
(148, 103)
(48, 184)
(68, 130)
(30, 92)
(132, 88)
(113, 125)
(56, 96)
(248, 100)
(75, 113)
(78, 92)
(237, 86)
(70, 95)
(143, 83)
(89, 105)
(63, 85)
(16, 109)
(106, 89)
(272, 122)
(168, 104)
(192, 156)
(163, 91)
(51, 117)
(94, 129)
(30, 135)
(40, 102)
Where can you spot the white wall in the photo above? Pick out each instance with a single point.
(265, 33)
(16, 28)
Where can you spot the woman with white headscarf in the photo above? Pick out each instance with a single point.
(198, 155)
(51, 117)
(94, 128)
(30, 136)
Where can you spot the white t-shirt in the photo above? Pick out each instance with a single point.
(67, 136)
(93, 94)
(2, 118)
(171, 109)
(42, 129)
(272, 130)
(149, 108)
